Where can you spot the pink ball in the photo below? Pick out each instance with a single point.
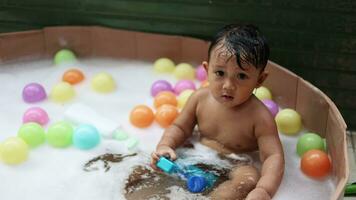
(200, 73)
(35, 114)
(184, 85)
(159, 86)
(272, 106)
(33, 92)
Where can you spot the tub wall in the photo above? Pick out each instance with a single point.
(318, 112)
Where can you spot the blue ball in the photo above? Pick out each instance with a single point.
(86, 137)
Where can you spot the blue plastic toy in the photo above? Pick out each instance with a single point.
(197, 179)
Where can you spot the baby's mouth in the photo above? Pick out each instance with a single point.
(227, 97)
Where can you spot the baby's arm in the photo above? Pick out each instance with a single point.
(178, 132)
(272, 158)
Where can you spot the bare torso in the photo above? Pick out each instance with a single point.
(227, 130)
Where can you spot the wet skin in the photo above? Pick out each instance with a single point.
(231, 120)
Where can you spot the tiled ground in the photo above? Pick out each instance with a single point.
(351, 136)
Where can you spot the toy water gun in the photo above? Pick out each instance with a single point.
(197, 180)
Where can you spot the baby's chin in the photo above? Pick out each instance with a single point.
(231, 102)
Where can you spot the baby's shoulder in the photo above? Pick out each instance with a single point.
(201, 93)
(261, 113)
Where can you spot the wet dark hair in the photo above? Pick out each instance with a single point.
(245, 42)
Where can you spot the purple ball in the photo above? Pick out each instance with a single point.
(184, 85)
(159, 86)
(272, 106)
(33, 92)
(200, 73)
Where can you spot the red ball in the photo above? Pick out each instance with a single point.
(315, 163)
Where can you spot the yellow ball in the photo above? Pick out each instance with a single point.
(164, 65)
(263, 93)
(103, 83)
(183, 98)
(62, 92)
(184, 71)
(13, 151)
(288, 121)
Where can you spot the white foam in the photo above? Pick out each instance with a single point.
(51, 173)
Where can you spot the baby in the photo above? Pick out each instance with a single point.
(230, 118)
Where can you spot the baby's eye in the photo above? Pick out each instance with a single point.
(219, 73)
(242, 76)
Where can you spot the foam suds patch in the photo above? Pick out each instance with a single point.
(111, 171)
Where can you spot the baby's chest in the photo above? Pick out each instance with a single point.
(235, 134)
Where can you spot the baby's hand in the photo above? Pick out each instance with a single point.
(258, 194)
(165, 151)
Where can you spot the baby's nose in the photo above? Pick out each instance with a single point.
(228, 85)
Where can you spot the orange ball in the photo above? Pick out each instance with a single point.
(315, 163)
(73, 76)
(141, 116)
(165, 97)
(204, 84)
(166, 114)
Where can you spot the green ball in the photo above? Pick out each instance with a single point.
(60, 134)
(32, 133)
(63, 56)
(325, 145)
(308, 142)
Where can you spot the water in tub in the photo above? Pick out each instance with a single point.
(112, 171)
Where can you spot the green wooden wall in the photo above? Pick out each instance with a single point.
(315, 39)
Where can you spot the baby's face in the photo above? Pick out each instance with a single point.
(228, 83)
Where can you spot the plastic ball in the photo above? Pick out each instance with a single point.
(164, 65)
(184, 85)
(200, 73)
(183, 98)
(86, 137)
(272, 106)
(315, 163)
(60, 134)
(165, 115)
(64, 56)
(13, 151)
(159, 86)
(204, 84)
(33, 92)
(32, 133)
(35, 114)
(184, 71)
(141, 116)
(165, 97)
(103, 83)
(73, 76)
(308, 142)
(62, 92)
(288, 121)
(263, 93)
(325, 147)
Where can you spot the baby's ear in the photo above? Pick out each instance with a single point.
(262, 78)
(205, 65)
